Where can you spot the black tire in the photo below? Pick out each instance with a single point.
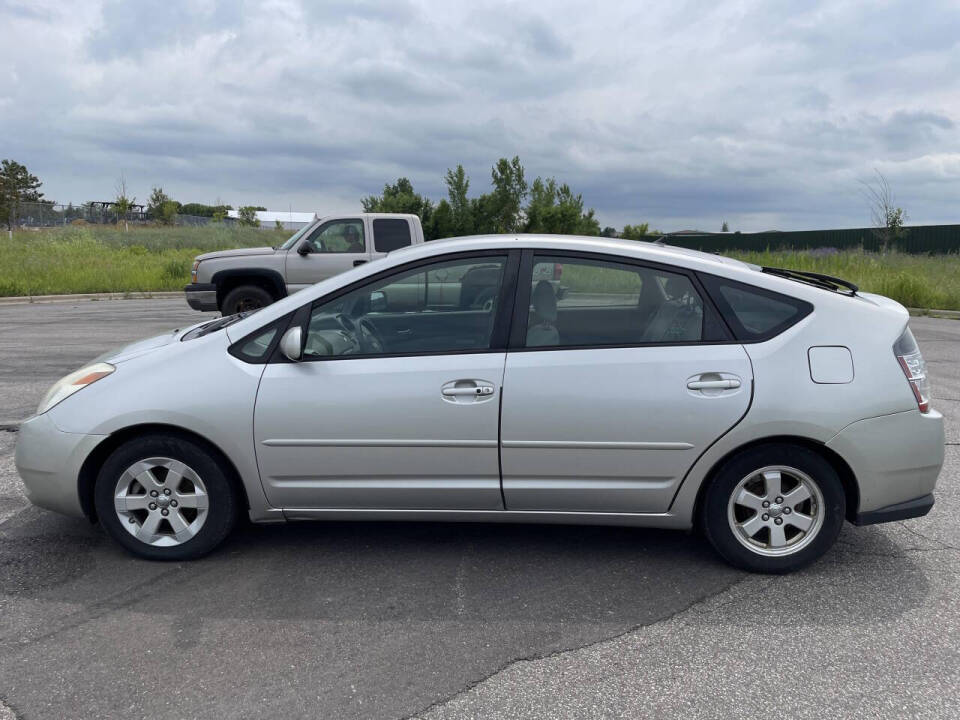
(715, 506)
(221, 514)
(244, 298)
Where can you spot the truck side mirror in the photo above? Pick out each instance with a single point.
(304, 249)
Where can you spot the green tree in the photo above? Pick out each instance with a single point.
(399, 198)
(509, 190)
(483, 213)
(247, 216)
(553, 208)
(17, 186)
(122, 202)
(441, 223)
(161, 208)
(610, 232)
(724, 227)
(461, 212)
(886, 216)
(636, 232)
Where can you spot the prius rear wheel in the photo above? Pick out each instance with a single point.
(774, 508)
(164, 497)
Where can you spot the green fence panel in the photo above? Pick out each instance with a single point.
(918, 239)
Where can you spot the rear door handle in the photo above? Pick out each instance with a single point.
(713, 384)
(358, 262)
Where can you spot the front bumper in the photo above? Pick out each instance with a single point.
(896, 460)
(201, 296)
(49, 460)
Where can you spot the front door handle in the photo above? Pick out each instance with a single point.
(467, 391)
(358, 262)
(713, 384)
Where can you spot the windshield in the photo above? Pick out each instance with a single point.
(291, 241)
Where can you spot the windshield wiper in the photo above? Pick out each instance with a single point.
(827, 282)
(223, 322)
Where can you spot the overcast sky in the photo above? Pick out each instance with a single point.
(681, 114)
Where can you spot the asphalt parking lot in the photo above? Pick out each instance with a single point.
(449, 621)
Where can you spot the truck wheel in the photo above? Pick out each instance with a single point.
(245, 298)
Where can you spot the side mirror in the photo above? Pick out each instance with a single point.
(378, 301)
(304, 249)
(291, 344)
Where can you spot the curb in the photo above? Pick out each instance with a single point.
(925, 312)
(30, 299)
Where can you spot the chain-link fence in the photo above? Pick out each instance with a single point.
(41, 214)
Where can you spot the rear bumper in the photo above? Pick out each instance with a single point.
(201, 296)
(901, 511)
(895, 459)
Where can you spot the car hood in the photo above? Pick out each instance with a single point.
(236, 253)
(141, 347)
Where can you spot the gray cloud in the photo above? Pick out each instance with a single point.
(685, 114)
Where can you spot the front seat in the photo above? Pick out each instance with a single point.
(542, 331)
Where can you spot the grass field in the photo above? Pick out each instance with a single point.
(106, 259)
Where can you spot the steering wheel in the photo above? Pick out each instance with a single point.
(369, 336)
(363, 332)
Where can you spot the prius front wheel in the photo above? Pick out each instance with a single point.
(165, 498)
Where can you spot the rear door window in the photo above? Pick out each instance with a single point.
(754, 314)
(390, 234)
(587, 302)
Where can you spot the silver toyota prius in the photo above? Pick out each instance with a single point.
(509, 379)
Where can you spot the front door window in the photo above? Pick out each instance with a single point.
(439, 308)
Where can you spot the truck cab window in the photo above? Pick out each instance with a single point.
(390, 234)
(338, 236)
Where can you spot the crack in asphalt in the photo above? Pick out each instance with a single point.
(698, 608)
(565, 651)
(118, 601)
(919, 534)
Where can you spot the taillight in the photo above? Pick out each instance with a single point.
(557, 271)
(913, 366)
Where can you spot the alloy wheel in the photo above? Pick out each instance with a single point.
(776, 510)
(161, 501)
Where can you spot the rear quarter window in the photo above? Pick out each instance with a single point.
(390, 234)
(754, 314)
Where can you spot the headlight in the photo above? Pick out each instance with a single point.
(193, 271)
(67, 386)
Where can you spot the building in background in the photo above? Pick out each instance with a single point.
(288, 220)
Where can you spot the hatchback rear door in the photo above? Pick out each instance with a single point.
(612, 391)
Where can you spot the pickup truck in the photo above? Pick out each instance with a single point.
(233, 281)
